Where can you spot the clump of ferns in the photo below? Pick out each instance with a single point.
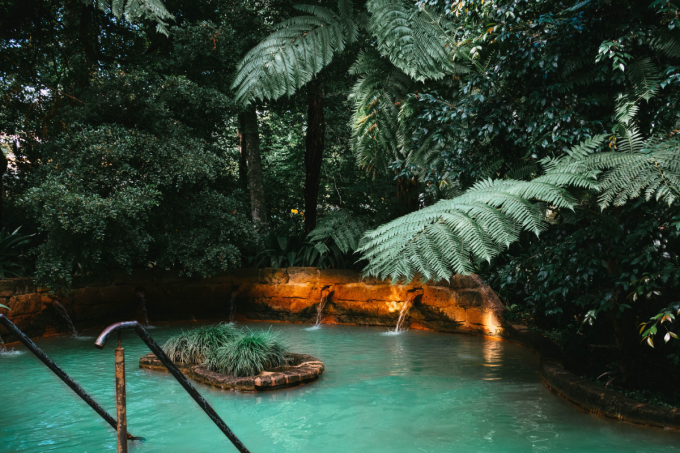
(249, 354)
(193, 346)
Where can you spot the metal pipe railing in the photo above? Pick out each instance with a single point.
(165, 360)
(9, 325)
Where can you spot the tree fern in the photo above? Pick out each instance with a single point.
(452, 235)
(344, 229)
(377, 97)
(411, 39)
(296, 52)
(649, 168)
(134, 10)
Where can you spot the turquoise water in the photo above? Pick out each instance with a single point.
(413, 392)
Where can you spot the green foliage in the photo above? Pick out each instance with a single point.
(334, 240)
(281, 249)
(249, 354)
(410, 38)
(10, 247)
(134, 10)
(5, 307)
(452, 236)
(194, 346)
(295, 52)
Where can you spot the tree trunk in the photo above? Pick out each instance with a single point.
(3, 169)
(242, 157)
(251, 146)
(314, 144)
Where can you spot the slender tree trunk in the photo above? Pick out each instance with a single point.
(242, 157)
(251, 146)
(314, 144)
(3, 170)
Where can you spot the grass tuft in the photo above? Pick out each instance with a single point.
(249, 354)
(192, 347)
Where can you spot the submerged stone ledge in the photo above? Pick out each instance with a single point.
(587, 395)
(301, 369)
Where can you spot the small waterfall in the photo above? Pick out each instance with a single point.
(3, 348)
(142, 301)
(404, 311)
(64, 314)
(232, 305)
(320, 307)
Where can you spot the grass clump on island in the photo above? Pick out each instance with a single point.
(192, 347)
(227, 350)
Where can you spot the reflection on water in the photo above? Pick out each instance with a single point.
(418, 391)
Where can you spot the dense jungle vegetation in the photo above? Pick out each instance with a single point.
(534, 142)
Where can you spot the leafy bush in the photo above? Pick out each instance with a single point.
(193, 346)
(249, 354)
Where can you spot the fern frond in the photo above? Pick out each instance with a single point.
(342, 227)
(451, 236)
(134, 10)
(422, 46)
(293, 54)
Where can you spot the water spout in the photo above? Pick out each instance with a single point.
(64, 315)
(325, 293)
(3, 348)
(412, 294)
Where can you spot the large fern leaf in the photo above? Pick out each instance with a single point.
(293, 54)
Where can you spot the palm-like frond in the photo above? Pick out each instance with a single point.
(342, 228)
(377, 97)
(453, 235)
(411, 40)
(133, 10)
(639, 167)
(293, 54)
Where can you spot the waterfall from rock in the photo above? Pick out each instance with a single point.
(325, 294)
(3, 348)
(64, 314)
(320, 307)
(404, 312)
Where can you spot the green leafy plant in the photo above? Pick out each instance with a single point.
(5, 307)
(249, 354)
(193, 346)
(281, 249)
(333, 242)
(10, 247)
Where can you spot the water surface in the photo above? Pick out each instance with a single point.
(413, 392)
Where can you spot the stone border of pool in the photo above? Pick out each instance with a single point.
(587, 395)
(302, 370)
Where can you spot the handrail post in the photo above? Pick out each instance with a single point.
(184, 382)
(120, 398)
(73, 385)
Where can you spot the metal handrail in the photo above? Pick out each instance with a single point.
(9, 325)
(165, 360)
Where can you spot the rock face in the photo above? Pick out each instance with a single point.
(462, 304)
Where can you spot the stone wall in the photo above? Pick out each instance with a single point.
(463, 304)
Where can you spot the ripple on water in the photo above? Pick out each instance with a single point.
(381, 392)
